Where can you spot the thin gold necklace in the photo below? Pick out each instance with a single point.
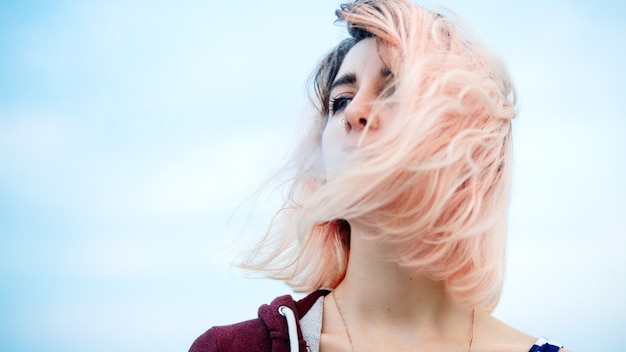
(345, 325)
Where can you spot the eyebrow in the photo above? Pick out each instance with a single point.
(350, 78)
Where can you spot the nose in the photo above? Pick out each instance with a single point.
(357, 114)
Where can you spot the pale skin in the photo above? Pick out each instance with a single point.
(387, 307)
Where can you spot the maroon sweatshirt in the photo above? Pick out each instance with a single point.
(267, 333)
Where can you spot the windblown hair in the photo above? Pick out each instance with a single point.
(435, 184)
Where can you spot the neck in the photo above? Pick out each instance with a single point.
(388, 296)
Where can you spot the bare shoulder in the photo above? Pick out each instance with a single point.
(492, 334)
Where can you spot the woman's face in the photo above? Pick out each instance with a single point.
(359, 81)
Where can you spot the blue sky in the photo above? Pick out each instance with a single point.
(131, 133)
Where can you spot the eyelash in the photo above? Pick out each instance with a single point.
(334, 104)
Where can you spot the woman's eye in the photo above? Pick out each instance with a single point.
(338, 104)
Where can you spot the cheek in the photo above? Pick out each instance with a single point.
(332, 147)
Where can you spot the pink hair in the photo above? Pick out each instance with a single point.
(435, 184)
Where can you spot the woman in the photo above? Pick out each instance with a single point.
(396, 215)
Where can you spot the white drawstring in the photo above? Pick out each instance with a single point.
(294, 344)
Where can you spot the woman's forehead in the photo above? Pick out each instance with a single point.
(363, 59)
